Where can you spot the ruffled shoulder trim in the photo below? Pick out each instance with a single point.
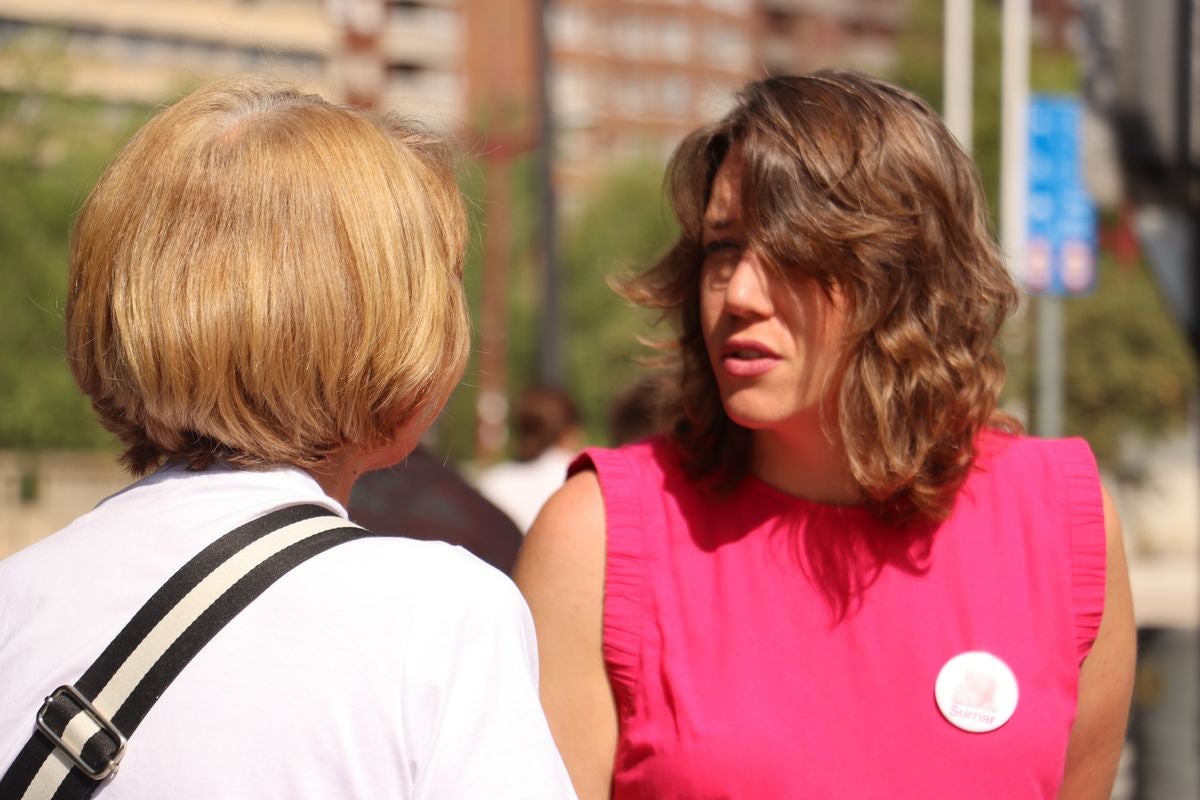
(1088, 540)
(620, 480)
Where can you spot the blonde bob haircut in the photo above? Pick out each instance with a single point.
(262, 277)
(856, 184)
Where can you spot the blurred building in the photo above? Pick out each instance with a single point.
(801, 35)
(629, 77)
(143, 51)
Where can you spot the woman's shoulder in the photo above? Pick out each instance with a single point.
(653, 456)
(1045, 479)
(1010, 456)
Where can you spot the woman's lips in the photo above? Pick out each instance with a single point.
(743, 359)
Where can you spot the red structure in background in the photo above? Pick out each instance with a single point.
(501, 82)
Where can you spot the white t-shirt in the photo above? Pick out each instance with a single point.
(382, 668)
(521, 488)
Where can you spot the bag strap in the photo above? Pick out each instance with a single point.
(82, 729)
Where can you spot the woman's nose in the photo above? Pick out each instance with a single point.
(748, 292)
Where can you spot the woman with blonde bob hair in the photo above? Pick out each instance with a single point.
(265, 301)
(843, 572)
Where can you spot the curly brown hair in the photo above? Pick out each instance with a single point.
(855, 183)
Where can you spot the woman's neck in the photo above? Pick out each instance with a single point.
(343, 467)
(808, 465)
(337, 475)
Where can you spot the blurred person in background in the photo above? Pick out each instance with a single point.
(843, 572)
(636, 413)
(424, 498)
(266, 301)
(547, 435)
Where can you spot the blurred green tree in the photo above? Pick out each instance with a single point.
(1129, 371)
(454, 435)
(619, 223)
(624, 224)
(52, 150)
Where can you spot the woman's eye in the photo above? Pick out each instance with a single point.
(720, 246)
(720, 259)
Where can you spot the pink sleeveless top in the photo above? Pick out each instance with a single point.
(736, 676)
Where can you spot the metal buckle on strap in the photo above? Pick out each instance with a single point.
(95, 772)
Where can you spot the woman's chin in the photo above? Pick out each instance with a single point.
(760, 416)
(753, 417)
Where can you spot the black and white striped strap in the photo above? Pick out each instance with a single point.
(82, 729)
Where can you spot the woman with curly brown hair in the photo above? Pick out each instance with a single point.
(844, 572)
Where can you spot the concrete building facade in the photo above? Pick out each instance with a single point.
(628, 77)
(145, 51)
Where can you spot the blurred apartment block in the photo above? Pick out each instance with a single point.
(631, 78)
(626, 77)
(145, 51)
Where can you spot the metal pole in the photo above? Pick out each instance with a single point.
(1014, 189)
(957, 76)
(549, 351)
(1014, 142)
(1050, 366)
(491, 406)
(1185, 72)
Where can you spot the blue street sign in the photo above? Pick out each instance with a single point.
(1061, 243)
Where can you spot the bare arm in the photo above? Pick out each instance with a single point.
(560, 569)
(1105, 682)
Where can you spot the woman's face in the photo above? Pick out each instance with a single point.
(773, 343)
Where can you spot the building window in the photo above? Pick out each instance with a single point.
(638, 37)
(575, 99)
(726, 48)
(571, 28)
(729, 6)
(675, 97)
(631, 36)
(630, 98)
(675, 40)
(716, 100)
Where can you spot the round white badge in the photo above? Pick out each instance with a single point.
(976, 691)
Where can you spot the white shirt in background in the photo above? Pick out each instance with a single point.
(521, 488)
